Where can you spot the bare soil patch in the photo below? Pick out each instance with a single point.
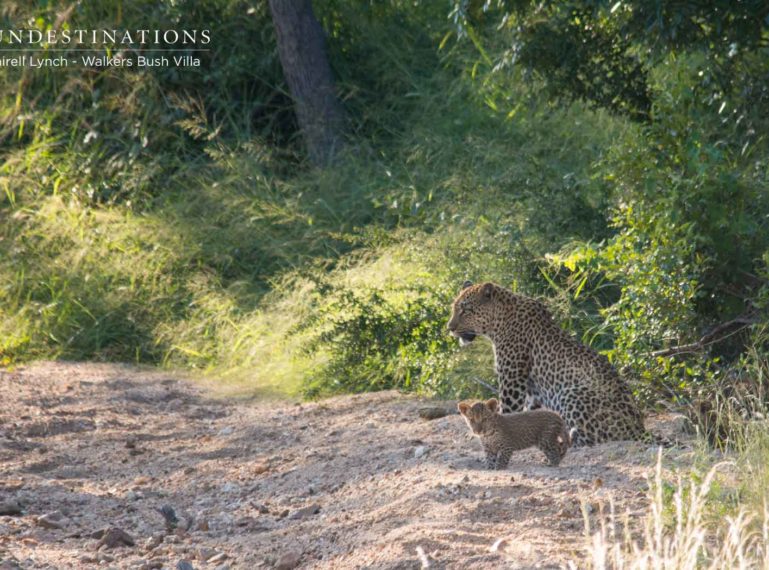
(113, 466)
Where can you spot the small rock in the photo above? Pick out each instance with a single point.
(114, 537)
(420, 451)
(11, 564)
(245, 521)
(229, 430)
(289, 560)
(261, 508)
(133, 496)
(88, 559)
(498, 545)
(216, 559)
(170, 516)
(174, 405)
(184, 565)
(202, 525)
(10, 509)
(54, 520)
(260, 468)
(153, 542)
(313, 509)
(434, 412)
(204, 553)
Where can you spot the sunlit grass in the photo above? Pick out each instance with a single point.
(691, 538)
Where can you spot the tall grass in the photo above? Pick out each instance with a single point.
(684, 537)
(145, 219)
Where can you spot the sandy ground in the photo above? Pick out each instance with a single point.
(350, 482)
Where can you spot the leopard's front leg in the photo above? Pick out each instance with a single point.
(503, 459)
(513, 381)
(490, 461)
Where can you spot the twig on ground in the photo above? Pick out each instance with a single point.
(423, 557)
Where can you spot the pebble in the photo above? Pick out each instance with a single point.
(289, 560)
(10, 508)
(498, 545)
(202, 525)
(153, 542)
(169, 515)
(434, 412)
(420, 451)
(262, 508)
(310, 510)
(54, 520)
(115, 537)
(204, 553)
(217, 558)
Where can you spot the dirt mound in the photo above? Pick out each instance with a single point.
(119, 467)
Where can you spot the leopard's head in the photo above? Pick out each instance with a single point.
(478, 414)
(473, 311)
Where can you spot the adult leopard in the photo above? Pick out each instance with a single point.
(538, 361)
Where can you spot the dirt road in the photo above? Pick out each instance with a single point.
(350, 482)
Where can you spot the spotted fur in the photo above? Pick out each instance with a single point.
(538, 363)
(501, 435)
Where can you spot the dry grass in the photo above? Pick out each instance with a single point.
(680, 536)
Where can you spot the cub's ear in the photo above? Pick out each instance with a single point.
(466, 284)
(488, 289)
(463, 408)
(492, 404)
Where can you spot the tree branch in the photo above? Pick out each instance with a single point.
(486, 385)
(716, 334)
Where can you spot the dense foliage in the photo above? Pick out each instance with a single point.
(611, 157)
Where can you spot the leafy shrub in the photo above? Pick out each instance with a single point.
(374, 343)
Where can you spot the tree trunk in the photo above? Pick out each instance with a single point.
(302, 51)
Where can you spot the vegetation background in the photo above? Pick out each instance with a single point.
(609, 157)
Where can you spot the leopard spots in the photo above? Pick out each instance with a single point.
(539, 364)
(501, 435)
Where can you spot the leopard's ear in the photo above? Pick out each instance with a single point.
(463, 408)
(492, 404)
(488, 289)
(466, 284)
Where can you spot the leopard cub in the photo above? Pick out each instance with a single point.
(502, 434)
